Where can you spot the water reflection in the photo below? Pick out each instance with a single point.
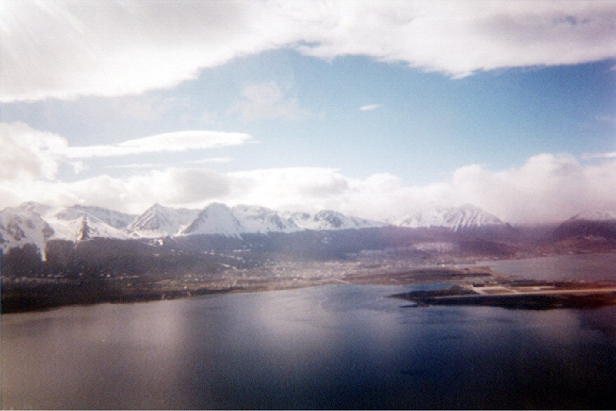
(60, 358)
(326, 347)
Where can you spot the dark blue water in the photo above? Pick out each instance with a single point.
(326, 347)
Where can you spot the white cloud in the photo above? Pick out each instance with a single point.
(266, 101)
(65, 48)
(590, 156)
(370, 107)
(214, 160)
(172, 186)
(547, 187)
(166, 142)
(459, 38)
(128, 47)
(26, 153)
(147, 108)
(303, 187)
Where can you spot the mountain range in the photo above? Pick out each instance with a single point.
(36, 223)
(454, 218)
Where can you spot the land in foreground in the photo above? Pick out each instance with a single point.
(38, 294)
(520, 294)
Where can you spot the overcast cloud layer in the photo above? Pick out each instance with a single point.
(112, 48)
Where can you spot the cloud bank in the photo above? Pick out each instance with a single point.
(547, 188)
(112, 48)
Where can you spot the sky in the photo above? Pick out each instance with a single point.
(374, 109)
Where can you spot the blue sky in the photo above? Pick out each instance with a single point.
(373, 109)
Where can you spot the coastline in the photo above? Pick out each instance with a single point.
(470, 286)
(28, 297)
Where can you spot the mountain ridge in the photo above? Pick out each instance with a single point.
(454, 218)
(81, 223)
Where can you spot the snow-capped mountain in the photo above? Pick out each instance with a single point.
(216, 218)
(19, 227)
(39, 208)
(112, 218)
(454, 218)
(330, 220)
(255, 219)
(79, 223)
(83, 227)
(158, 221)
(589, 227)
(220, 219)
(37, 223)
(595, 215)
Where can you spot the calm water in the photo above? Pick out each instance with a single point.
(564, 267)
(327, 347)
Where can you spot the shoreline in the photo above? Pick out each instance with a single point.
(471, 286)
(522, 294)
(24, 297)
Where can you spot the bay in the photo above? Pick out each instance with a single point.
(340, 347)
(587, 267)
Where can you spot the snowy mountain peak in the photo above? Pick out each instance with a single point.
(454, 218)
(329, 220)
(35, 207)
(255, 219)
(159, 221)
(112, 218)
(216, 218)
(79, 223)
(596, 215)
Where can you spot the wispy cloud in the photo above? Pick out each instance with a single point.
(266, 101)
(166, 142)
(370, 107)
(110, 49)
(590, 156)
(147, 108)
(26, 153)
(215, 160)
